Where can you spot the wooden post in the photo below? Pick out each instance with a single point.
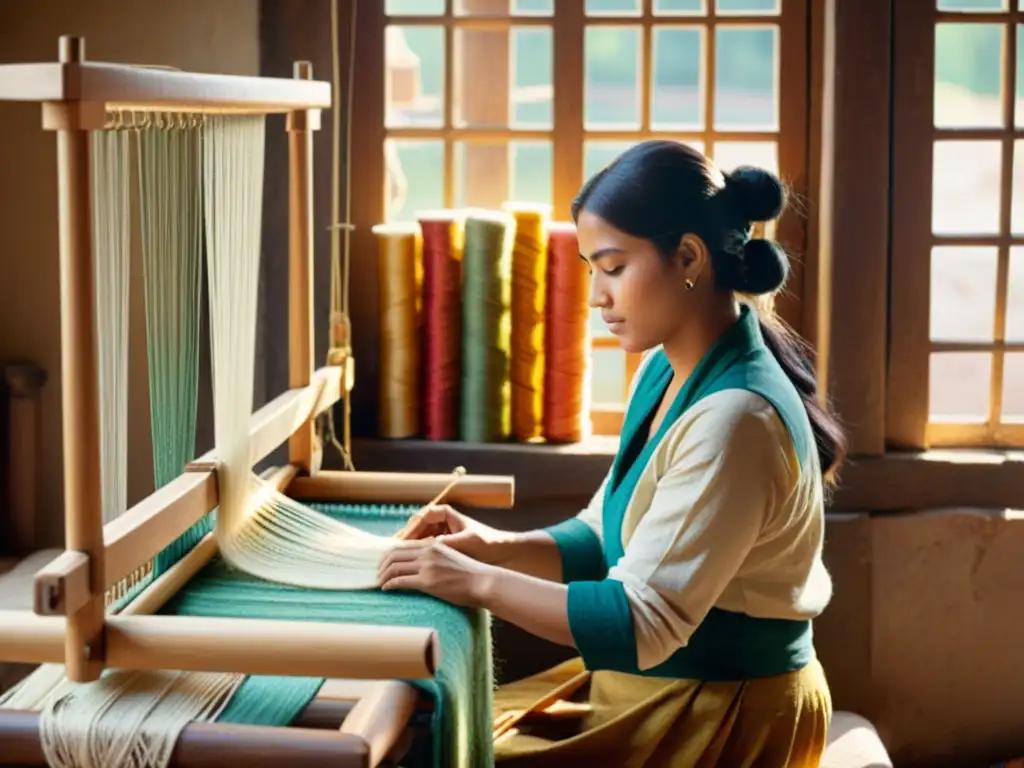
(24, 384)
(303, 450)
(83, 524)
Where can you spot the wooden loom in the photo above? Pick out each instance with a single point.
(69, 623)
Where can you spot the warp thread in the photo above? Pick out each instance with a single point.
(486, 336)
(567, 390)
(442, 277)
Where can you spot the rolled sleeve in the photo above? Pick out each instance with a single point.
(580, 549)
(601, 624)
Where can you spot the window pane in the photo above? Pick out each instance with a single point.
(963, 293)
(415, 177)
(608, 382)
(1015, 299)
(611, 96)
(414, 7)
(609, 7)
(677, 90)
(748, 7)
(503, 7)
(598, 154)
(533, 7)
(532, 73)
(481, 173)
(1017, 189)
(1018, 105)
(680, 7)
(1013, 388)
(746, 78)
(968, 75)
(958, 384)
(965, 187)
(972, 5)
(531, 163)
(481, 78)
(414, 78)
(763, 154)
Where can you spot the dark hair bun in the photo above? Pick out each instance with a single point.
(757, 194)
(763, 268)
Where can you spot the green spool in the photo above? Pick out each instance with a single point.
(485, 402)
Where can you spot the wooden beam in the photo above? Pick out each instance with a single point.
(404, 488)
(302, 449)
(242, 646)
(853, 213)
(147, 89)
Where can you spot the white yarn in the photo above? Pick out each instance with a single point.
(111, 249)
(259, 530)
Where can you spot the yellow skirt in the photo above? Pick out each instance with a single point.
(616, 719)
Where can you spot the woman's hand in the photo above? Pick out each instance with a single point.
(457, 531)
(431, 567)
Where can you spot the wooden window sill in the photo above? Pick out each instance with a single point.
(894, 482)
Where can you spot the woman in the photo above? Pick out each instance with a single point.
(689, 583)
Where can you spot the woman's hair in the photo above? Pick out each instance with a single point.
(661, 190)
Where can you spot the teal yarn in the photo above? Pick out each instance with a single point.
(485, 402)
(462, 690)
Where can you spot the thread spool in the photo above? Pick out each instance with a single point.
(529, 273)
(442, 322)
(398, 248)
(567, 389)
(486, 335)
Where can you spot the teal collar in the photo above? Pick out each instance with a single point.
(742, 339)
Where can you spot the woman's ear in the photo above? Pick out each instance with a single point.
(693, 256)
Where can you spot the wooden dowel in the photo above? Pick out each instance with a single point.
(245, 646)
(83, 522)
(302, 443)
(381, 717)
(404, 488)
(29, 639)
(24, 385)
(211, 745)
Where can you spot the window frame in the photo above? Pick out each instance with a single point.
(909, 424)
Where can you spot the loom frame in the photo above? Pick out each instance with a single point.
(69, 623)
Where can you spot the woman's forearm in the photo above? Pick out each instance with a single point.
(535, 605)
(531, 553)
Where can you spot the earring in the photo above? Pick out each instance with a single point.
(688, 284)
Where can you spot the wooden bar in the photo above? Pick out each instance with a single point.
(212, 745)
(130, 87)
(243, 646)
(302, 449)
(381, 717)
(135, 537)
(404, 488)
(83, 525)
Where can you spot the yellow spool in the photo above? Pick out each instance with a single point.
(398, 247)
(529, 272)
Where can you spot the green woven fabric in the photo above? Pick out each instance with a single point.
(463, 687)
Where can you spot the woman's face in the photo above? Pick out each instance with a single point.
(640, 294)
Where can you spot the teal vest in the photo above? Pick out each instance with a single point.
(726, 645)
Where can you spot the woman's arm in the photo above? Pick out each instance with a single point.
(534, 604)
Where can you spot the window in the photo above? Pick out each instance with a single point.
(491, 100)
(957, 361)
